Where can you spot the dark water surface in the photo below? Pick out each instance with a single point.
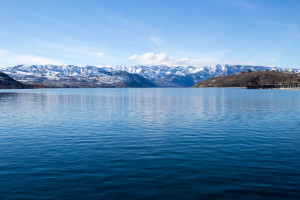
(149, 144)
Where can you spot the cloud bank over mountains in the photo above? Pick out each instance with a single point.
(150, 59)
(8, 58)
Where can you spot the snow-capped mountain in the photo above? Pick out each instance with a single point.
(122, 76)
(75, 76)
(167, 76)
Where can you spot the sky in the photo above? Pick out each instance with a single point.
(156, 32)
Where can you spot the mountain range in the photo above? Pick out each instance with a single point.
(123, 76)
(74, 76)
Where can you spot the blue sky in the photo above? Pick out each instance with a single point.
(171, 32)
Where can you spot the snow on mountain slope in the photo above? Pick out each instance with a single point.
(7, 82)
(75, 76)
(121, 76)
(179, 76)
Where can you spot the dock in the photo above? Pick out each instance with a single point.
(276, 86)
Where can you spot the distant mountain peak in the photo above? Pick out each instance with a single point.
(75, 76)
(161, 75)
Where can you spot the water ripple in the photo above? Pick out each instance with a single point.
(149, 144)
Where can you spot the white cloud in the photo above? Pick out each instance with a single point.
(72, 49)
(99, 53)
(2, 51)
(33, 59)
(272, 60)
(154, 39)
(8, 59)
(163, 59)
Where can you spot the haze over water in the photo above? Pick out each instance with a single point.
(182, 143)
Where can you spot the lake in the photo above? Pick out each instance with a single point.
(151, 143)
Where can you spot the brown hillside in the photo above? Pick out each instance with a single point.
(7, 82)
(250, 78)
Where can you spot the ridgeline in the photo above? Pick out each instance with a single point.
(7, 82)
(251, 78)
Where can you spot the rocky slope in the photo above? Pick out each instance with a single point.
(7, 82)
(251, 78)
(74, 76)
(122, 76)
(167, 76)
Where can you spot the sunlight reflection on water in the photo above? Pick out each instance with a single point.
(149, 143)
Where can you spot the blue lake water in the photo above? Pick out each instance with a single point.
(162, 143)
